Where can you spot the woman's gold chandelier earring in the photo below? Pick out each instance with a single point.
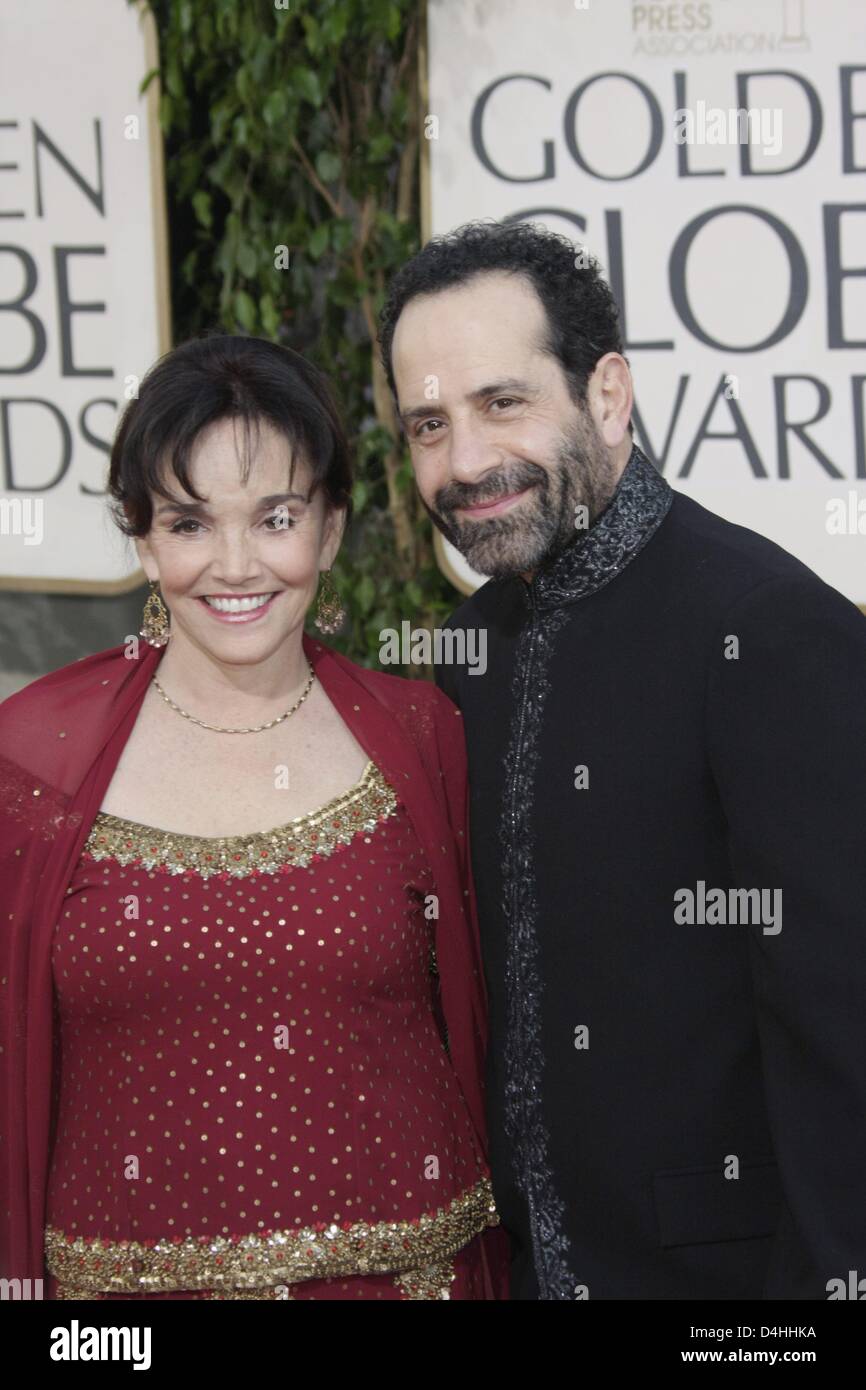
(330, 612)
(154, 625)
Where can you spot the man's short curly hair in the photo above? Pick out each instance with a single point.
(582, 315)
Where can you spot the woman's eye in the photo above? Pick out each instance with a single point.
(281, 522)
(424, 423)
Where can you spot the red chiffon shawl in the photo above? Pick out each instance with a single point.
(60, 741)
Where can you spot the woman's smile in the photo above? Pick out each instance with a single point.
(238, 608)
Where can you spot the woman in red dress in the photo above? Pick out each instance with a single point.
(243, 1011)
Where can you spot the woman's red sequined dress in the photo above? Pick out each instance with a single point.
(254, 1098)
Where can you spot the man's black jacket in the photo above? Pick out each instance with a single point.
(677, 1107)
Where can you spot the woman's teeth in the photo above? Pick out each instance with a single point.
(237, 605)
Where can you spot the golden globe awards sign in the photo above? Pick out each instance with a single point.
(83, 300)
(712, 156)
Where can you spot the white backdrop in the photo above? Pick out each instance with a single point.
(741, 268)
(82, 278)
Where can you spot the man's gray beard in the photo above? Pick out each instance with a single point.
(546, 523)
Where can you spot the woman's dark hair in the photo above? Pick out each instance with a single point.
(223, 376)
(582, 315)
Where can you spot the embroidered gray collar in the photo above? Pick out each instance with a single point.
(633, 515)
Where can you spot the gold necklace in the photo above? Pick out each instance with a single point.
(259, 728)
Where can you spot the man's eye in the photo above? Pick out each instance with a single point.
(424, 424)
(504, 400)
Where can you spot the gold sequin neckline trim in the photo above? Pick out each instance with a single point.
(297, 843)
(88, 1265)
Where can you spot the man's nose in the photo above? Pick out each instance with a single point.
(471, 455)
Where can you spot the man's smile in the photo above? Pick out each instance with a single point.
(496, 507)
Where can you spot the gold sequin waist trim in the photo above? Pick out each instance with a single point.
(431, 1281)
(90, 1264)
(296, 844)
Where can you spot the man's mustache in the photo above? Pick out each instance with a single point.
(523, 475)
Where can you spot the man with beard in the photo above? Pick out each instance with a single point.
(667, 762)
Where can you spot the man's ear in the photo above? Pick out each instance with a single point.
(611, 397)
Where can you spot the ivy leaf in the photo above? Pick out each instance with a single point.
(201, 203)
(166, 112)
(174, 81)
(319, 240)
(275, 107)
(414, 594)
(342, 236)
(311, 29)
(379, 148)
(260, 58)
(328, 166)
(248, 261)
(188, 267)
(245, 310)
(334, 25)
(305, 81)
(146, 80)
(243, 83)
(270, 315)
(365, 594)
